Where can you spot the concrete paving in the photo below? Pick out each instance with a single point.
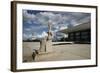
(61, 52)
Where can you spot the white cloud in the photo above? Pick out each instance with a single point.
(43, 18)
(62, 28)
(27, 29)
(28, 16)
(27, 36)
(42, 35)
(58, 20)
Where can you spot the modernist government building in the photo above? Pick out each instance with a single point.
(80, 33)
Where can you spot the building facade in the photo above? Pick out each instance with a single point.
(80, 33)
(82, 36)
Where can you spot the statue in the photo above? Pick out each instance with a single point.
(46, 42)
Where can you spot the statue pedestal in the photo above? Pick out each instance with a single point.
(49, 46)
(46, 46)
(42, 45)
(46, 42)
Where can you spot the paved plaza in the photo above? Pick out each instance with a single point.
(60, 52)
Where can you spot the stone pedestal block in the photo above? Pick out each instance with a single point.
(49, 46)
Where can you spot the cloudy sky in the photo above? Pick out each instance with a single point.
(35, 22)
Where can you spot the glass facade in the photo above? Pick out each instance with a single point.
(80, 36)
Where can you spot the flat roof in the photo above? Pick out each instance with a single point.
(83, 26)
